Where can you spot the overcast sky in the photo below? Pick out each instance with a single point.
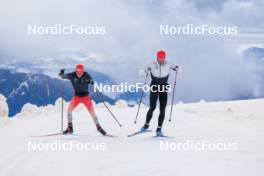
(213, 67)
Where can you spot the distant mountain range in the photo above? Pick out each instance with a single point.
(21, 88)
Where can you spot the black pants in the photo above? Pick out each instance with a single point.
(153, 102)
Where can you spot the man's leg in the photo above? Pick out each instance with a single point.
(69, 113)
(73, 103)
(89, 106)
(153, 102)
(163, 96)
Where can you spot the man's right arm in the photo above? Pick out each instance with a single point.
(64, 75)
(147, 69)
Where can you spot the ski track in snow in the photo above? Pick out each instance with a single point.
(238, 121)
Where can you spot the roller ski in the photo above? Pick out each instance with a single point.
(144, 129)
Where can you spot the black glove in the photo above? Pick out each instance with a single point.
(147, 70)
(61, 72)
(90, 81)
(175, 68)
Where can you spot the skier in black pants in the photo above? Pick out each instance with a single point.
(159, 89)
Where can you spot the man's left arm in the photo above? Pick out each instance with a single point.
(89, 79)
(174, 67)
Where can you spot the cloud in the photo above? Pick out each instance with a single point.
(212, 64)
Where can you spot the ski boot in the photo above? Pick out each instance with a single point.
(144, 128)
(100, 129)
(159, 132)
(69, 129)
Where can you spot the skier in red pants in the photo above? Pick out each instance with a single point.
(80, 81)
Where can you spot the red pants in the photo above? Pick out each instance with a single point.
(75, 101)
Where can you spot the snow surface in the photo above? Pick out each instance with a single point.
(241, 122)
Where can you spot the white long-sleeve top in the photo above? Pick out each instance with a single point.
(160, 70)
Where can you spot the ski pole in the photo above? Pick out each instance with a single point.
(112, 114)
(141, 97)
(62, 95)
(114, 117)
(62, 105)
(172, 100)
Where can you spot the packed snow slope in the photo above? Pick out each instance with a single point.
(239, 122)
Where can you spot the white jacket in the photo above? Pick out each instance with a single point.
(160, 70)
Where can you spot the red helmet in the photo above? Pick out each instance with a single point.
(161, 55)
(79, 69)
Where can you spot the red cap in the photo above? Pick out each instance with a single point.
(79, 68)
(161, 55)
